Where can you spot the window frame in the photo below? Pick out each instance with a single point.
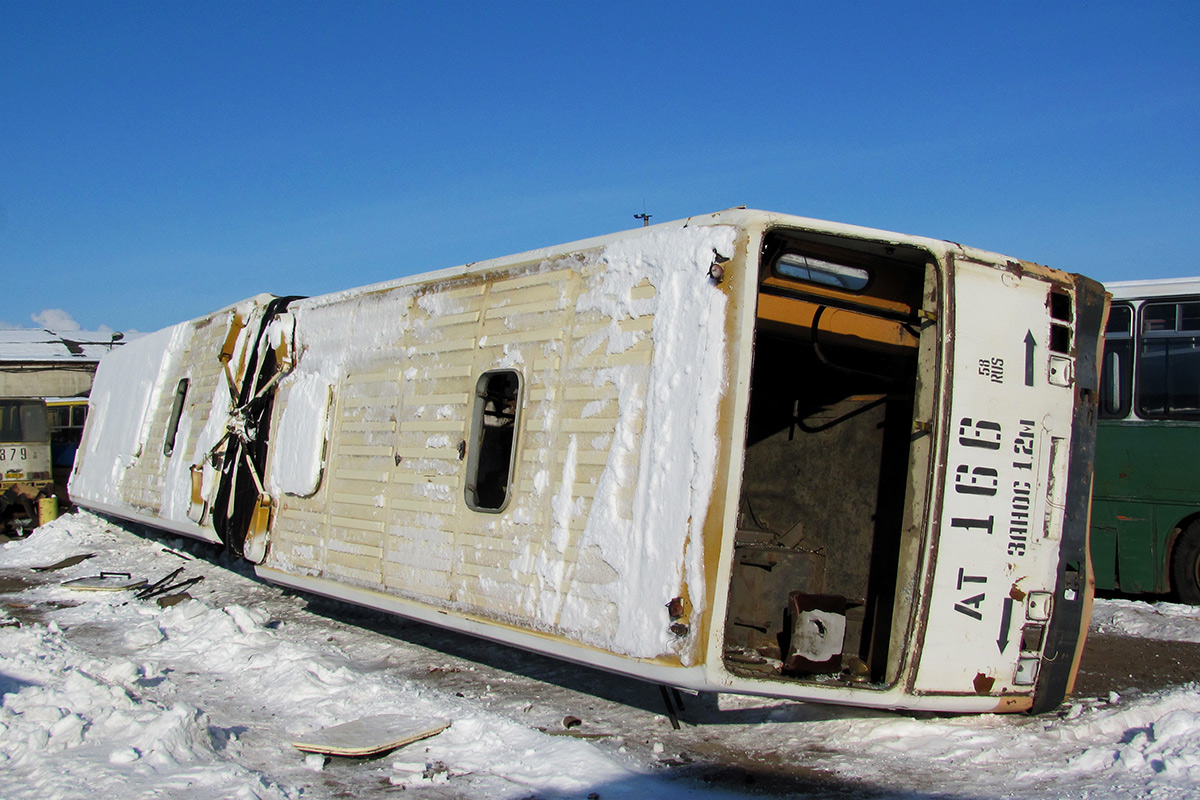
(1164, 337)
(823, 266)
(181, 390)
(486, 452)
(1121, 344)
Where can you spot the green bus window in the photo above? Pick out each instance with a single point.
(1168, 371)
(1158, 317)
(1120, 321)
(1169, 378)
(1189, 316)
(490, 457)
(1116, 378)
(1116, 369)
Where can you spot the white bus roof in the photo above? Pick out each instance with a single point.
(1161, 287)
(40, 345)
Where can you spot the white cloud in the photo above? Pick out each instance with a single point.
(55, 319)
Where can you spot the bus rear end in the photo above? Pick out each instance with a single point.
(24, 460)
(1009, 594)
(911, 529)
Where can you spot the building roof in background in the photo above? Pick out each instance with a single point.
(25, 345)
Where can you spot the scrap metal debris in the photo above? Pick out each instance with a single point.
(165, 585)
(106, 582)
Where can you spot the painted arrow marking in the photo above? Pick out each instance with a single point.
(1005, 623)
(1030, 345)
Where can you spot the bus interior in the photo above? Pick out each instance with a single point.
(822, 512)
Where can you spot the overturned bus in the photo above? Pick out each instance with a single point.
(742, 452)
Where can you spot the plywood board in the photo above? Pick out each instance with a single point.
(369, 736)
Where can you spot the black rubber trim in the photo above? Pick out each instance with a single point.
(1068, 624)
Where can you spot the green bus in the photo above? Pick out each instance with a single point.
(1146, 498)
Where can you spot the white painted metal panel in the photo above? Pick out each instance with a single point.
(1002, 506)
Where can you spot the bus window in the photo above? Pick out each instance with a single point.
(66, 418)
(1168, 373)
(22, 421)
(176, 412)
(59, 417)
(493, 443)
(1116, 376)
(826, 273)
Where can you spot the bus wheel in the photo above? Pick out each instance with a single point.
(1185, 565)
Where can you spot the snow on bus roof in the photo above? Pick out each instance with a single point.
(26, 344)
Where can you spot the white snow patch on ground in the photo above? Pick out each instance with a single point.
(119, 697)
(1167, 621)
(107, 695)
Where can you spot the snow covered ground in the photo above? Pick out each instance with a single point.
(102, 694)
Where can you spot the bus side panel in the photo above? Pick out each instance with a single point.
(1140, 548)
(1104, 544)
(620, 353)
(110, 468)
(123, 467)
(1141, 496)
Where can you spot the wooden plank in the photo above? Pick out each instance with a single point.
(638, 355)
(369, 475)
(355, 547)
(424, 506)
(591, 425)
(437, 348)
(447, 454)
(358, 524)
(386, 375)
(105, 582)
(378, 450)
(465, 318)
(528, 305)
(534, 279)
(416, 478)
(369, 401)
(463, 291)
(340, 568)
(368, 426)
(370, 736)
(605, 391)
(523, 337)
(433, 426)
(439, 399)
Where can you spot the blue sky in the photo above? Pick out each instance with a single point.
(161, 160)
